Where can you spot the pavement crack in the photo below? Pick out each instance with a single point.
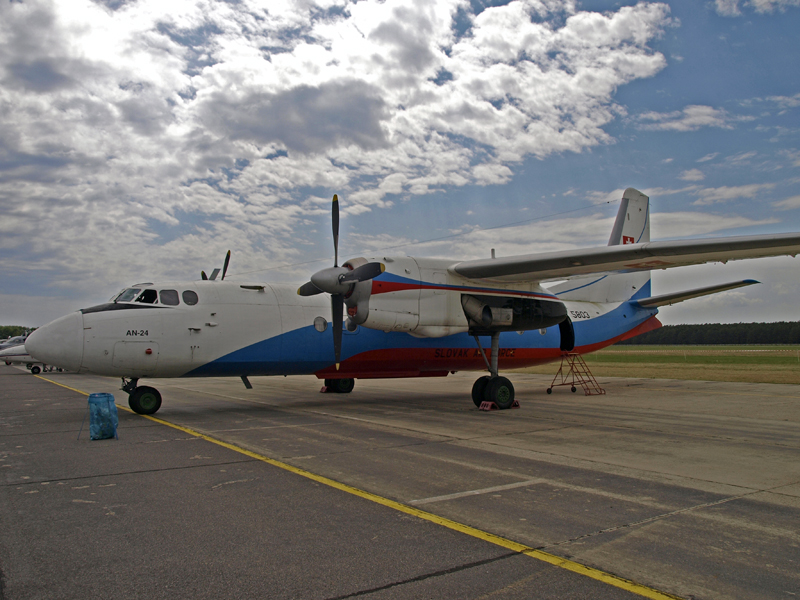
(658, 517)
(123, 473)
(425, 576)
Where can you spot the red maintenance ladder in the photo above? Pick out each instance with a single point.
(573, 370)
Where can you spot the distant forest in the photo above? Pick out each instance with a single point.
(715, 333)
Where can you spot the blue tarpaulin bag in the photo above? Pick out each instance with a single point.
(103, 418)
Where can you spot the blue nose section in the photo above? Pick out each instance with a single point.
(59, 343)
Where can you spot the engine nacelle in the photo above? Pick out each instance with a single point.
(488, 314)
(485, 315)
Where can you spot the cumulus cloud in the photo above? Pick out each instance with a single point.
(200, 124)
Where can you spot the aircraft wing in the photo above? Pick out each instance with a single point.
(648, 256)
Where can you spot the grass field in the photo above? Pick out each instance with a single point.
(756, 364)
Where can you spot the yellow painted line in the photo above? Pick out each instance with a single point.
(497, 540)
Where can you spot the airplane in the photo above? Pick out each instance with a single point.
(12, 341)
(406, 317)
(19, 355)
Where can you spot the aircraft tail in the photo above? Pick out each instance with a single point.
(632, 226)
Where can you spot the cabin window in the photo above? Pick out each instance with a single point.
(169, 297)
(190, 297)
(148, 297)
(127, 295)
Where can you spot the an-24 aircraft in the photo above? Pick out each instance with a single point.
(406, 317)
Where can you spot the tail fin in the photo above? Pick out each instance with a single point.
(633, 219)
(632, 226)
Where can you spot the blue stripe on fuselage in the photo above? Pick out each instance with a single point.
(306, 351)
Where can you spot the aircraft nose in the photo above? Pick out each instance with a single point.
(59, 343)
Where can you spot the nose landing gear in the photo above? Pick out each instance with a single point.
(492, 388)
(143, 400)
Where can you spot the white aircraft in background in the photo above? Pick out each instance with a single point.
(18, 355)
(406, 317)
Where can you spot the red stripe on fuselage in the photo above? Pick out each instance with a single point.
(385, 287)
(432, 362)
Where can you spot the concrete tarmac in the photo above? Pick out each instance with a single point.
(689, 489)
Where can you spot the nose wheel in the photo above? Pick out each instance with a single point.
(143, 400)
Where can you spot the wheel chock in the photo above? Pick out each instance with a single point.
(486, 405)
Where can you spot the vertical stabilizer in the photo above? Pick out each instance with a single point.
(633, 219)
(632, 226)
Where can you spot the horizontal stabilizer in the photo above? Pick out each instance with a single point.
(676, 297)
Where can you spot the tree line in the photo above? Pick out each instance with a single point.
(783, 332)
(7, 331)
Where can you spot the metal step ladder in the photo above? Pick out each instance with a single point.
(574, 371)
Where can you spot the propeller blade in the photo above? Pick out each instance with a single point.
(203, 276)
(227, 262)
(337, 315)
(335, 222)
(308, 289)
(364, 272)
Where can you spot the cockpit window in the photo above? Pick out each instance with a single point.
(148, 297)
(127, 295)
(190, 297)
(169, 297)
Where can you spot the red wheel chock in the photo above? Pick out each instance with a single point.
(487, 405)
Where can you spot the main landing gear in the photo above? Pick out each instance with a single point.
(143, 400)
(339, 386)
(492, 387)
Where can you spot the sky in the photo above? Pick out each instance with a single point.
(142, 139)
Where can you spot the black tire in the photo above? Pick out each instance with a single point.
(35, 370)
(342, 386)
(500, 391)
(573, 389)
(549, 390)
(145, 400)
(479, 390)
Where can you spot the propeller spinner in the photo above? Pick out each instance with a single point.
(338, 281)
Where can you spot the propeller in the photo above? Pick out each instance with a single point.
(215, 272)
(225, 266)
(338, 282)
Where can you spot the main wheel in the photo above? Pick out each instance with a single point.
(342, 386)
(500, 391)
(145, 400)
(35, 369)
(479, 389)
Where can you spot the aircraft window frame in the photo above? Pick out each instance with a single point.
(169, 297)
(193, 297)
(128, 295)
(148, 296)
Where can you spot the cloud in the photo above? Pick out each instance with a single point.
(690, 118)
(728, 193)
(689, 224)
(186, 127)
(692, 175)
(788, 203)
(730, 8)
